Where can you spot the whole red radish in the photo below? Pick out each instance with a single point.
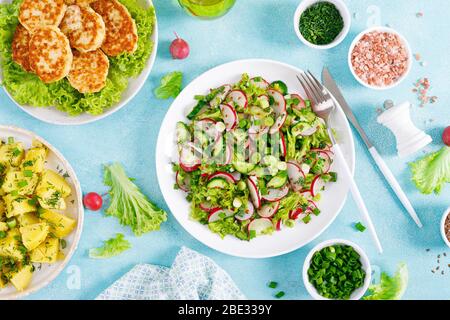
(179, 49)
(446, 136)
(93, 201)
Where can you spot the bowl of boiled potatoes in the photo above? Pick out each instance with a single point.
(41, 212)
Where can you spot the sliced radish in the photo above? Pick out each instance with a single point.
(190, 160)
(228, 154)
(259, 226)
(312, 204)
(295, 213)
(255, 195)
(326, 157)
(269, 209)
(279, 122)
(279, 225)
(295, 174)
(276, 194)
(259, 82)
(183, 184)
(317, 185)
(236, 175)
(238, 98)
(283, 145)
(229, 116)
(206, 206)
(217, 100)
(263, 97)
(309, 131)
(279, 107)
(208, 126)
(248, 212)
(299, 106)
(256, 132)
(224, 175)
(218, 214)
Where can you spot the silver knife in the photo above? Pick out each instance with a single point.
(331, 85)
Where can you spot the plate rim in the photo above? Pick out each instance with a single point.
(150, 64)
(80, 218)
(159, 173)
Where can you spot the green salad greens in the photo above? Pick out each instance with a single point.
(28, 89)
(170, 85)
(110, 248)
(253, 159)
(129, 204)
(389, 288)
(431, 172)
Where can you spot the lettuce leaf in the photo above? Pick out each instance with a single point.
(170, 85)
(431, 172)
(28, 89)
(129, 204)
(110, 248)
(389, 288)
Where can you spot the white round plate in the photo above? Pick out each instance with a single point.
(55, 161)
(278, 243)
(53, 116)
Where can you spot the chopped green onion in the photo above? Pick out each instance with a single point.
(28, 173)
(360, 227)
(280, 295)
(272, 284)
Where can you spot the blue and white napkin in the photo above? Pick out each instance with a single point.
(191, 277)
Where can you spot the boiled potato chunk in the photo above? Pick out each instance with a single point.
(34, 234)
(22, 279)
(51, 199)
(9, 246)
(12, 154)
(46, 252)
(24, 182)
(27, 219)
(52, 180)
(17, 205)
(35, 158)
(60, 225)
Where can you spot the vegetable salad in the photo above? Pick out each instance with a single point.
(253, 158)
(32, 229)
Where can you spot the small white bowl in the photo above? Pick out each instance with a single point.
(381, 29)
(444, 217)
(358, 293)
(345, 13)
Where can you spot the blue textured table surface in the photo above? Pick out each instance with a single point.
(263, 29)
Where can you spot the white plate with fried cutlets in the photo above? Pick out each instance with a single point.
(55, 116)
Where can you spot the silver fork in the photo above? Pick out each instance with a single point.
(323, 105)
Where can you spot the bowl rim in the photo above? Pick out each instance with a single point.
(112, 109)
(344, 11)
(358, 293)
(444, 217)
(80, 218)
(383, 29)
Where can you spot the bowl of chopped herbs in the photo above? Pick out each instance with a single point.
(337, 270)
(322, 24)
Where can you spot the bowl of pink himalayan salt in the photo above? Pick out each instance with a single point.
(380, 58)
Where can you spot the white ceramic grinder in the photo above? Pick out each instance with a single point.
(409, 138)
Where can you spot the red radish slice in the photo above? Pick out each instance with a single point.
(229, 116)
(224, 175)
(260, 225)
(299, 106)
(279, 122)
(228, 154)
(236, 175)
(218, 214)
(268, 210)
(295, 213)
(263, 97)
(279, 225)
(316, 186)
(256, 132)
(279, 106)
(283, 145)
(326, 157)
(217, 100)
(238, 98)
(309, 131)
(255, 195)
(208, 126)
(260, 83)
(190, 160)
(312, 204)
(183, 184)
(276, 194)
(206, 206)
(295, 173)
(248, 212)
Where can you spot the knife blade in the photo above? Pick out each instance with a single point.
(332, 87)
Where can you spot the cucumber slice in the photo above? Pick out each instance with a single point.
(280, 86)
(183, 133)
(217, 183)
(243, 167)
(278, 181)
(199, 108)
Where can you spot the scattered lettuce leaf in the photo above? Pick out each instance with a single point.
(431, 172)
(389, 288)
(110, 248)
(170, 85)
(28, 89)
(129, 204)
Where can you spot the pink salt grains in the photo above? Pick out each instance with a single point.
(380, 58)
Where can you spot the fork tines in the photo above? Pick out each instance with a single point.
(313, 88)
